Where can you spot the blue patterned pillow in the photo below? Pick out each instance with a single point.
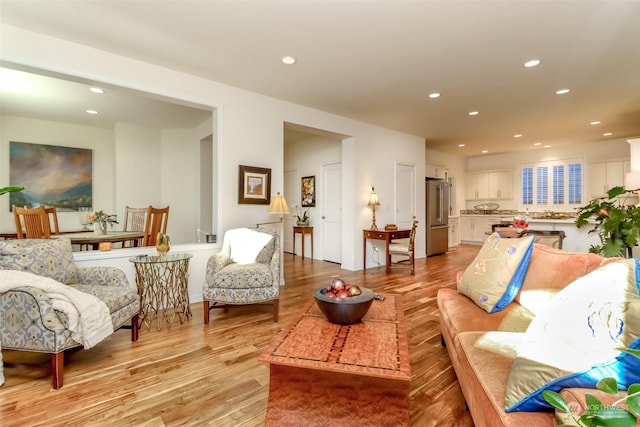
(51, 258)
(577, 340)
(495, 276)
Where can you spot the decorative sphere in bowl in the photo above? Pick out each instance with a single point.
(344, 311)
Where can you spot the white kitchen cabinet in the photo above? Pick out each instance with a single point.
(476, 228)
(454, 232)
(437, 172)
(489, 185)
(604, 176)
(501, 185)
(476, 186)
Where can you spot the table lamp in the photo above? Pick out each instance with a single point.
(373, 202)
(278, 206)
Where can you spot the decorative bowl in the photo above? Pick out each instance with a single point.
(344, 311)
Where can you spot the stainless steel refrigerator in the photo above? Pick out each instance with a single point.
(437, 216)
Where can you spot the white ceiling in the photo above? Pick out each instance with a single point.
(376, 61)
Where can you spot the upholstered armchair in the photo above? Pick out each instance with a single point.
(34, 317)
(246, 271)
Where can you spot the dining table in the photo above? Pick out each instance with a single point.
(93, 239)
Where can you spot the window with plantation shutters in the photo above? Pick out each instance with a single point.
(553, 185)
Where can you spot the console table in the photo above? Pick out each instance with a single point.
(387, 237)
(302, 230)
(323, 374)
(163, 288)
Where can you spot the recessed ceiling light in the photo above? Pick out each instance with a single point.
(537, 143)
(547, 146)
(474, 113)
(532, 63)
(92, 112)
(289, 60)
(96, 90)
(595, 122)
(485, 151)
(517, 135)
(434, 95)
(607, 134)
(460, 145)
(562, 91)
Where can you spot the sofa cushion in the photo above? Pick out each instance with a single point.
(577, 340)
(494, 277)
(51, 258)
(550, 270)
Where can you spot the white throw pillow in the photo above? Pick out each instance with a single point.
(245, 244)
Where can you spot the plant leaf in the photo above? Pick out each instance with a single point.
(633, 398)
(556, 400)
(10, 189)
(608, 385)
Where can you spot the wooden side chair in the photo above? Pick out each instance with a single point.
(52, 212)
(156, 222)
(134, 221)
(405, 249)
(551, 238)
(32, 223)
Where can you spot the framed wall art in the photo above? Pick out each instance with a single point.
(52, 175)
(254, 185)
(308, 186)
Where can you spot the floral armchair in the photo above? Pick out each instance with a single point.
(28, 319)
(246, 271)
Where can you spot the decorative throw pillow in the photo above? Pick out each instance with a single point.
(266, 253)
(495, 276)
(245, 244)
(51, 258)
(577, 341)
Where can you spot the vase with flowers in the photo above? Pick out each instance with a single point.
(100, 220)
(302, 217)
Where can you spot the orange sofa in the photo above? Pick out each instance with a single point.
(483, 372)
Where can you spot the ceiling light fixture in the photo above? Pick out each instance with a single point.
(434, 95)
(537, 144)
(288, 60)
(607, 134)
(562, 91)
(96, 90)
(461, 145)
(485, 151)
(595, 122)
(547, 146)
(474, 113)
(92, 112)
(517, 135)
(532, 63)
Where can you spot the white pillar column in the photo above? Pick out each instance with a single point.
(635, 154)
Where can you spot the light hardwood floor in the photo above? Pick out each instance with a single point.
(192, 375)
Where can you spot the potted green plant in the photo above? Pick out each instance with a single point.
(617, 222)
(597, 414)
(10, 189)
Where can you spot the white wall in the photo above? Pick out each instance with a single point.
(249, 131)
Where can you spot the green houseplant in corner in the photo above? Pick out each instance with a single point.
(10, 189)
(617, 222)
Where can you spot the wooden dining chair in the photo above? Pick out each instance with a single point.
(405, 249)
(52, 213)
(32, 223)
(134, 220)
(156, 222)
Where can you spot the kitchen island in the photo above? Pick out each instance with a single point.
(476, 227)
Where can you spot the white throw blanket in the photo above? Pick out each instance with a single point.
(89, 318)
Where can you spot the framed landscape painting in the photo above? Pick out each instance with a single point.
(51, 175)
(254, 185)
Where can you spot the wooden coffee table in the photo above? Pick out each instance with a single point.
(323, 374)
